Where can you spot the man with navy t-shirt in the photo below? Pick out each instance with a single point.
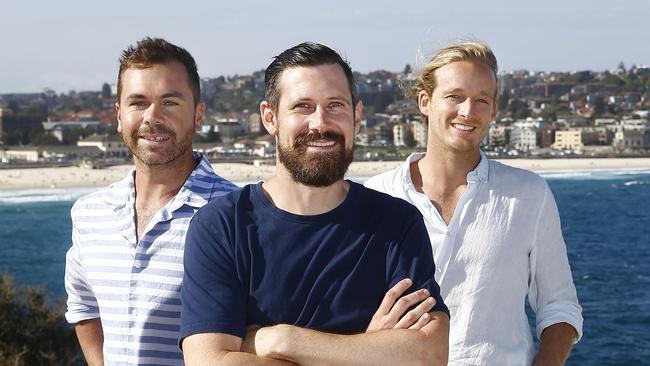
(293, 270)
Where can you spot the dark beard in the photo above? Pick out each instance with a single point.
(316, 169)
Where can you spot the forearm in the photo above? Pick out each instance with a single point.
(240, 358)
(306, 347)
(555, 345)
(222, 349)
(91, 339)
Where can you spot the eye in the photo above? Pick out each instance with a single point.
(138, 104)
(484, 101)
(336, 105)
(453, 97)
(302, 106)
(170, 103)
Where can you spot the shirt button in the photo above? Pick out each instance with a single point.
(438, 270)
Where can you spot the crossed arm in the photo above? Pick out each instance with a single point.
(394, 336)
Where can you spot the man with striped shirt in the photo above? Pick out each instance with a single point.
(125, 267)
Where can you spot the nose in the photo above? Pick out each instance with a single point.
(152, 115)
(466, 108)
(318, 120)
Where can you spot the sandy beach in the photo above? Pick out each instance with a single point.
(81, 177)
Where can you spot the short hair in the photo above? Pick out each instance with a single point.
(304, 54)
(151, 51)
(472, 51)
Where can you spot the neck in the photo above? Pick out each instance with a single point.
(444, 169)
(160, 183)
(300, 199)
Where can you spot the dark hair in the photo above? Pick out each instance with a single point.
(150, 51)
(304, 54)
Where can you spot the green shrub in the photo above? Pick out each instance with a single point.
(31, 331)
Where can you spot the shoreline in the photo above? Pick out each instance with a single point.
(76, 177)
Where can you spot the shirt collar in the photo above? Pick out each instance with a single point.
(188, 194)
(481, 172)
(123, 191)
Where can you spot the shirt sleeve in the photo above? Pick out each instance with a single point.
(412, 257)
(211, 295)
(552, 294)
(81, 303)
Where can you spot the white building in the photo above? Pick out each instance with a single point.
(523, 138)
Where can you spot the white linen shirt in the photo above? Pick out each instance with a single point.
(503, 243)
(134, 286)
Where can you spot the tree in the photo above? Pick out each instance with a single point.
(407, 69)
(73, 135)
(13, 106)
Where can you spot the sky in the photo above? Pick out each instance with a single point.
(75, 44)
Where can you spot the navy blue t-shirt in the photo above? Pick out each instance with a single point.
(248, 262)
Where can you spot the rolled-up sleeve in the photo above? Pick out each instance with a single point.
(552, 293)
(81, 302)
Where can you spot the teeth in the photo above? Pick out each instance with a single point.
(321, 144)
(463, 127)
(155, 138)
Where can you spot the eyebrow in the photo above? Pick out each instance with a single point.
(329, 99)
(459, 90)
(173, 94)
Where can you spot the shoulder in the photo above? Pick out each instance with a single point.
(516, 178)
(383, 204)
(387, 181)
(206, 179)
(113, 195)
(225, 204)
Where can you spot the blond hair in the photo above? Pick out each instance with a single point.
(472, 51)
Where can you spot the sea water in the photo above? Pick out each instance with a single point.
(605, 220)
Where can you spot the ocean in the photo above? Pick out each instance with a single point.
(605, 219)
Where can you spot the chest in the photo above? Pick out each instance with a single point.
(145, 212)
(445, 202)
(486, 241)
(328, 278)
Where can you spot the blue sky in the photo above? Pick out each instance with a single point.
(75, 44)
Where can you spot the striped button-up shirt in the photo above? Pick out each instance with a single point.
(134, 286)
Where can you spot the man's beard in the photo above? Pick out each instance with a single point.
(316, 169)
(172, 152)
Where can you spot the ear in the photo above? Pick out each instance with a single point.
(269, 119)
(423, 102)
(119, 119)
(199, 115)
(495, 110)
(358, 111)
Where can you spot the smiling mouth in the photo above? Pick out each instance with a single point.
(463, 127)
(155, 138)
(321, 143)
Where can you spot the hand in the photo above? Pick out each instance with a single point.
(392, 313)
(248, 344)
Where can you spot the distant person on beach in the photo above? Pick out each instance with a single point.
(293, 270)
(125, 267)
(495, 230)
